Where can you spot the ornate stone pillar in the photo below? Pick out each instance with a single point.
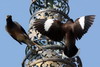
(52, 53)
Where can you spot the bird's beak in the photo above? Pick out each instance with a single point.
(6, 17)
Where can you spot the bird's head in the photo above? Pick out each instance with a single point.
(8, 18)
(71, 52)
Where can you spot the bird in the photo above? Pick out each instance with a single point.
(69, 32)
(17, 32)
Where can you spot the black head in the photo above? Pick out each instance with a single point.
(9, 18)
(71, 52)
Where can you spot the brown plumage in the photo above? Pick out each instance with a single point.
(69, 31)
(17, 32)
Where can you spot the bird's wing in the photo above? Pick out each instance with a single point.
(22, 29)
(39, 26)
(16, 39)
(12, 35)
(82, 24)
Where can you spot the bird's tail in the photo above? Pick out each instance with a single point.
(71, 51)
(33, 43)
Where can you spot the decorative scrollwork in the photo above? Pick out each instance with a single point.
(61, 5)
(54, 54)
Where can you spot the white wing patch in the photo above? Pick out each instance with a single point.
(82, 21)
(48, 24)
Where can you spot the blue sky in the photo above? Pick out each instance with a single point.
(12, 53)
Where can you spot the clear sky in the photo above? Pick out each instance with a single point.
(12, 53)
